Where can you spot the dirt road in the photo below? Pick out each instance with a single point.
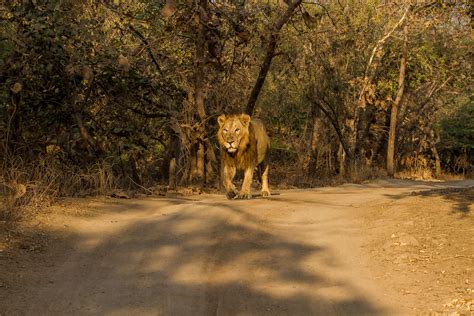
(302, 252)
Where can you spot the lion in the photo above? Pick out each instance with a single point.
(244, 146)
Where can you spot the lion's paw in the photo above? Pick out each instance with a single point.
(265, 194)
(231, 194)
(243, 196)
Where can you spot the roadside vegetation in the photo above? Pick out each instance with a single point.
(98, 97)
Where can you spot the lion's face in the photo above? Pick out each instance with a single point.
(233, 132)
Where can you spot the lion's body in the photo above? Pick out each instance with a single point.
(244, 146)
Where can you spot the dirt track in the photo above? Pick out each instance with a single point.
(303, 252)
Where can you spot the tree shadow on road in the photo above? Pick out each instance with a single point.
(461, 198)
(199, 259)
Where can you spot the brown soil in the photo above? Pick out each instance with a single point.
(386, 247)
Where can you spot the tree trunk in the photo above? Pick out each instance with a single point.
(437, 161)
(192, 173)
(336, 125)
(315, 141)
(200, 160)
(341, 155)
(199, 97)
(210, 162)
(200, 61)
(434, 140)
(352, 127)
(84, 132)
(13, 126)
(395, 105)
(172, 174)
(270, 53)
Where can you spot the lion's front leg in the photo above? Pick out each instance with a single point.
(264, 170)
(245, 191)
(228, 174)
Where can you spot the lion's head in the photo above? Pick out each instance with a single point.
(233, 134)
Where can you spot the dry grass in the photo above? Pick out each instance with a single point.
(365, 173)
(416, 174)
(28, 186)
(428, 174)
(453, 177)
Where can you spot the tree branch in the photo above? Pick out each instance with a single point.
(335, 124)
(147, 114)
(370, 69)
(147, 45)
(265, 66)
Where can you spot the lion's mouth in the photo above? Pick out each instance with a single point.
(231, 147)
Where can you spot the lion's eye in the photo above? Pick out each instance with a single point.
(225, 131)
(237, 130)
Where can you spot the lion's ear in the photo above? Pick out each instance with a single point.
(245, 119)
(221, 119)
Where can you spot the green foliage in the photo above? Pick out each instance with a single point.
(457, 131)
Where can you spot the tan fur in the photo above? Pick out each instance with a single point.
(244, 146)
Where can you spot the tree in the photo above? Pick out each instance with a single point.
(396, 104)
